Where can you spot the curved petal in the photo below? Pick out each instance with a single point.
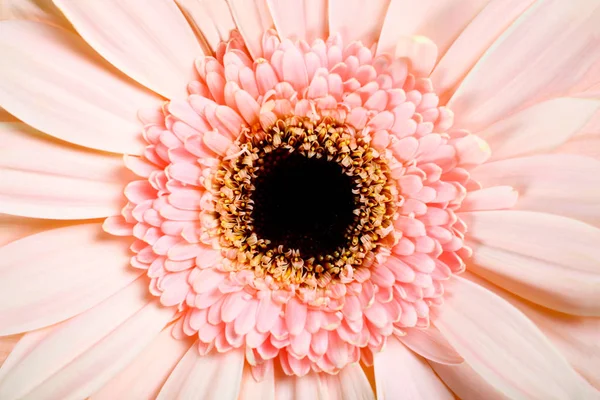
(43, 178)
(213, 376)
(33, 10)
(560, 184)
(399, 370)
(307, 387)
(473, 41)
(504, 346)
(575, 337)
(80, 355)
(7, 343)
(144, 377)
(252, 22)
(584, 145)
(465, 382)
(550, 260)
(543, 54)
(5, 116)
(300, 19)
(56, 274)
(54, 82)
(211, 18)
(24, 345)
(357, 20)
(350, 383)
(542, 127)
(430, 344)
(257, 390)
(440, 21)
(153, 45)
(13, 228)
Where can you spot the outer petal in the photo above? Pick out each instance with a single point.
(54, 82)
(399, 371)
(350, 383)
(13, 228)
(465, 382)
(252, 23)
(542, 127)
(257, 390)
(56, 274)
(550, 260)
(440, 21)
(575, 337)
(300, 19)
(430, 344)
(90, 370)
(144, 377)
(505, 347)
(543, 54)
(559, 184)
(307, 387)
(213, 376)
(357, 20)
(212, 18)
(473, 41)
(40, 177)
(7, 343)
(34, 10)
(152, 44)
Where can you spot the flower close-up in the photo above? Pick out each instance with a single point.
(300, 199)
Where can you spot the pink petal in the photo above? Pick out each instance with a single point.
(66, 271)
(295, 387)
(536, 256)
(558, 184)
(420, 50)
(213, 376)
(300, 19)
(474, 40)
(426, 18)
(212, 18)
(356, 20)
(505, 347)
(399, 370)
(542, 127)
(295, 316)
(350, 383)
(429, 343)
(466, 383)
(13, 228)
(75, 96)
(537, 57)
(252, 389)
(34, 10)
(144, 377)
(153, 45)
(61, 367)
(252, 23)
(492, 198)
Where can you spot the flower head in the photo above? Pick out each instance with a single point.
(301, 194)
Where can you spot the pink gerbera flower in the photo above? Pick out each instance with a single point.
(279, 199)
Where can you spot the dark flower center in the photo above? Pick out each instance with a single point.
(303, 203)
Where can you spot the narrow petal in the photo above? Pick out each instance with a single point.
(357, 20)
(492, 198)
(144, 377)
(212, 18)
(85, 374)
(575, 337)
(399, 370)
(429, 343)
(473, 41)
(300, 19)
(153, 45)
(252, 23)
(428, 18)
(560, 184)
(43, 178)
(34, 10)
(307, 387)
(542, 127)
(257, 390)
(504, 346)
(59, 273)
(548, 259)
(584, 145)
(7, 344)
(465, 382)
(350, 383)
(54, 82)
(213, 376)
(13, 228)
(537, 57)
(421, 52)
